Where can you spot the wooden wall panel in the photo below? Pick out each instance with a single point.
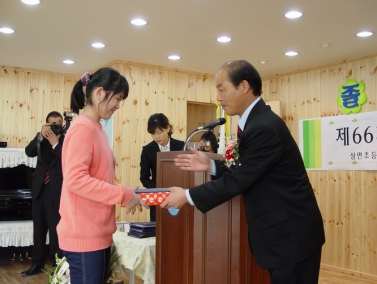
(26, 97)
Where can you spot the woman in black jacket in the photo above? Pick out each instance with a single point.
(161, 131)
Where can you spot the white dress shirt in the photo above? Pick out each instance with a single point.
(165, 148)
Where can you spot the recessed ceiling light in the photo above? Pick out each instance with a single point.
(31, 2)
(98, 45)
(138, 22)
(325, 44)
(293, 14)
(223, 39)
(364, 34)
(6, 30)
(262, 61)
(68, 61)
(291, 53)
(174, 57)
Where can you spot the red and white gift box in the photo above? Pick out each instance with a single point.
(153, 196)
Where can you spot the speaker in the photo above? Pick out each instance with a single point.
(3, 144)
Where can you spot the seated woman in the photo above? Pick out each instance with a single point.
(208, 142)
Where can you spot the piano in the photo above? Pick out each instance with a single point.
(15, 193)
(16, 171)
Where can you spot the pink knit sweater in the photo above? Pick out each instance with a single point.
(88, 194)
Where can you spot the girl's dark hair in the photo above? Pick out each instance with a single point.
(110, 80)
(159, 121)
(240, 70)
(211, 137)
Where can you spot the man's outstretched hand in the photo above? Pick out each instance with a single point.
(197, 161)
(176, 199)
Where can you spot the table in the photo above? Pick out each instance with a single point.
(13, 157)
(136, 255)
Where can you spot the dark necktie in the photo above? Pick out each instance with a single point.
(47, 177)
(239, 131)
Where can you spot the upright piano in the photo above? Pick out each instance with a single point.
(15, 193)
(16, 171)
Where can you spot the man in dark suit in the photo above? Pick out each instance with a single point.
(285, 226)
(161, 131)
(46, 189)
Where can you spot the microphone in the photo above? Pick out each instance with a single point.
(213, 124)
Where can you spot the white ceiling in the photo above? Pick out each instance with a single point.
(56, 30)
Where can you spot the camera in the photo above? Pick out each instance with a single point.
(205, 143)
(56, 128)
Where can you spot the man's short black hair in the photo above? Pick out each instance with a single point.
(54, 114)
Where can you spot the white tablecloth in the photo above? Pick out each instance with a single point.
(16, 233)
(13, 157)
(137, 255)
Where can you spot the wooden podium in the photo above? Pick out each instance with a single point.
(198, 248)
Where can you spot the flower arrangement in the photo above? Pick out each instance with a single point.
(232, 154)
(60, 273)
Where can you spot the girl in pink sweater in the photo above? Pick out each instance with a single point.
(89, 194)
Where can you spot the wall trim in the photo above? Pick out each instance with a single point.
(348, 272)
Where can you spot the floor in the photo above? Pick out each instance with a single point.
(10, 273)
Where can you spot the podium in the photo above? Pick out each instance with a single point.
(193, 247)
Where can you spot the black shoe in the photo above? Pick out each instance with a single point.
(33, 270)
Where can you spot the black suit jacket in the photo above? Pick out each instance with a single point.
(148, 161)
(285, 225)
(48, 158)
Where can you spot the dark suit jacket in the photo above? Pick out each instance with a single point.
(148, 161)
(285, 225)
(49, 157)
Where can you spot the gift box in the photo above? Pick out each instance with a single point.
(153, 196)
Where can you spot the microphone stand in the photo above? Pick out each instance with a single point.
(193, 133)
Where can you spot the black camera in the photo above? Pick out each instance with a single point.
(56, 128)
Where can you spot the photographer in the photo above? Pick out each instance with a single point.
(46, 190)
(208, 142)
